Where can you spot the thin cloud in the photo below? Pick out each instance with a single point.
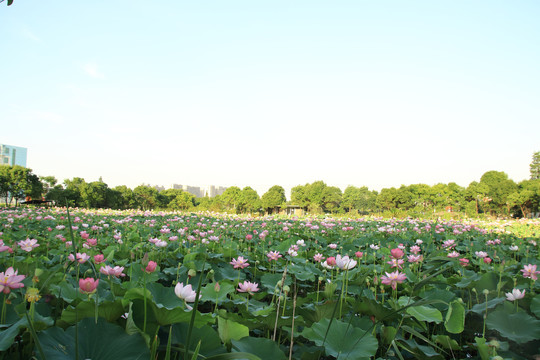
(92, 70)
(27, 33)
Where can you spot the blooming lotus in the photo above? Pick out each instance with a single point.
(116, 271)
(414, 258)
(88, 285)
(185, 293)
(3, 247)
(318, 257)
(239, 263)
(396, 263)
(515, 295)
(393, 279)
(28, 244)
(248, 287)
(292, 252)
(345, 263)
(529, 271)
(10, 280)
(415, 249)
(273, 255)
(481, 254)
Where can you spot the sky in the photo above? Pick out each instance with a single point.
(263, 93)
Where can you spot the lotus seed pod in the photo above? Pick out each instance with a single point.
(191, 273)
(286, 289)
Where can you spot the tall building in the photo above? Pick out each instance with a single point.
(12, 155)
(197, 191)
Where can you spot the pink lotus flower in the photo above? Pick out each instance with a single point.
(241, 263)
(116, 271)
(98, 259)
(448, 244)
(397, 253)
(487, 260)
(10, 280)
(414, 258)
(415, 249)
(358, 254)
(151, 267)
(88, 285)
(393, 278)
(515, 295)
(331, 261)
(464, 262)
(3, 247)
(91, 242)
(318, 257)
(248, 287)
(28, 244)
(396, 263)
(273, 255)
(81, 258)
(529, 271)
(453, 254)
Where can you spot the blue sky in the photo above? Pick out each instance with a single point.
(375, 93)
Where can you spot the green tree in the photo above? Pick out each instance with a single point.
(94, 194)
(16, 182)
(249, 201)
(535, 166)
(386, 200)
(527, 197)
(146, 197)
(122, 197)
(72, 191)
(299, 195)
(331, 197)
(231, 198)
(273, 198)
(499, 188)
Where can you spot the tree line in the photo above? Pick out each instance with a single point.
(495, 195)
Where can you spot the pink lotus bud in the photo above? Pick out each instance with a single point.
(397, 253)
(358, 254)
(151, 267)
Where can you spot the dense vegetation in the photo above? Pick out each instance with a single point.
(494, 194)
(140, 285)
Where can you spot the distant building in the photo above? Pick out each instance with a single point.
(198, 191)
(12, 155)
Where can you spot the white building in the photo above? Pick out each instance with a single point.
(198, 191)
(12, 155)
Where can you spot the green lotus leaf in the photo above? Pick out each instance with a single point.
(104, 341)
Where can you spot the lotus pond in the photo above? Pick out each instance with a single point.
(134, 285)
